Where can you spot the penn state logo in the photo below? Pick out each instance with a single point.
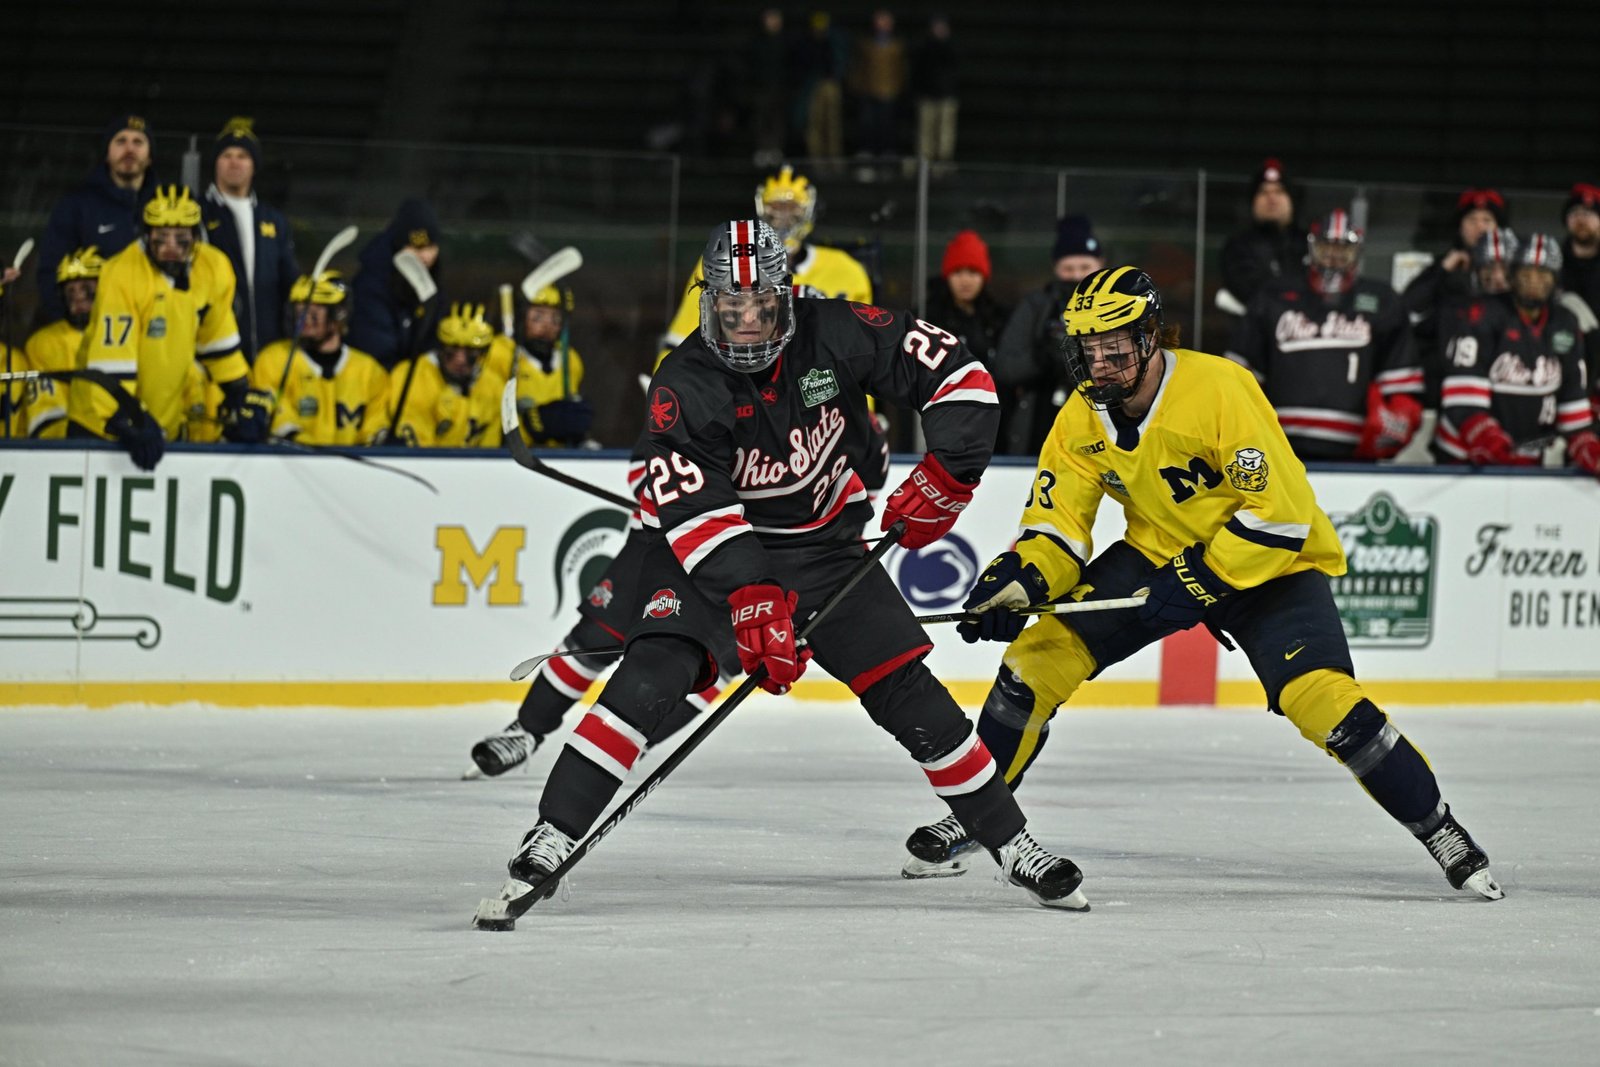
(665, 602)
(1248, 471)
(937, 576)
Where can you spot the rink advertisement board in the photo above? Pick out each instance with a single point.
(279, 577)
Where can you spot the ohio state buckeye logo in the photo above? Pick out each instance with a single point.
(872, 316)
(600, 596)
(663, 409)
(665, 602)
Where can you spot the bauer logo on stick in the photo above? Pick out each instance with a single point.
(664, 603)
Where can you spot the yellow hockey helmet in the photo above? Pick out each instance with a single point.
(329, 289)
(787, 202)
(79, 263)
(1119, 300)
(171, 206)
(554, 297)
(465, 327)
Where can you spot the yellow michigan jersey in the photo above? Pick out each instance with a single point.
(149, 333)
(832, 272)
(344, 405)
(1207, 464)
(437, 414)
(536, 386)
(52, 347)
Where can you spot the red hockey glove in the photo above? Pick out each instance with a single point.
(1583, 449)
(1390, 424)
(763, 628)
(928, 502)
(1486, 440)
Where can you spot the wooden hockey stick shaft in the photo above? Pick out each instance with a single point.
(1069, 608)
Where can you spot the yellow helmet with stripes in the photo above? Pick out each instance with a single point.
(172, 205)
(466, 327)
(79, 263)
(788, 203)
(328, 289)
(1124, 302)
(554, 297)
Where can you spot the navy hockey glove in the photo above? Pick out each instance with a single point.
(567, 420)
(1007, 585)
(245, 413)
(1181, 591)
(141, 437)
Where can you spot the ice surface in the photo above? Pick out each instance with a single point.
(294, 887)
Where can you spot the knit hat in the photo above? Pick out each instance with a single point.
(414, 226)
(966, 251)
(239, 132)
(120, 123)
(1271, 171)
(1075, 237)
(1488, 200)
(1582, 195)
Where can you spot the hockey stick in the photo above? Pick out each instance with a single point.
(1071, 607)
(525, 457)
(5, 332)
(421, 281)
(338, 243)
(531, 664)
(561, 263)
(495, 913)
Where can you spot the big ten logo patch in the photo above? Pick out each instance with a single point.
(494, 566)
(935, 577)
(584, 554)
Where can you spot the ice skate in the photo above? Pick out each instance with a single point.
(939, 850)
(1050, 879)
(504, 751)
(1465, 864)
(544, 848)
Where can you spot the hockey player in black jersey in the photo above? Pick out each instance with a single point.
(758, 430)
(1333, 353)
(1516, 379)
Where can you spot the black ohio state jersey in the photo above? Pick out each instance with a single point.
(1315, 358)
(1525, 371)
(739, 461)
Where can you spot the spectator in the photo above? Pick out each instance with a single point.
(1580, 270)
(959, 299)
(820, 63)
(1518, 380)
(878, 76)
(324, 392)
(548, 371)
(933, 71)
(1449, 285)
(54, 347)
(771, 76)
(103, 211)
(448, 397)
(1333, 353)
(392, 320)
(1271, 248)
(1028, 371)
(255, 236)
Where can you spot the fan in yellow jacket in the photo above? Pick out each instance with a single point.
(1222, 529)
(787, 202)
(324, 392)
(162, 304)
(449, 397)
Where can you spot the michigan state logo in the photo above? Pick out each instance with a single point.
(585, 552)
(817, 385)
(1386, 596)
(1248, 471)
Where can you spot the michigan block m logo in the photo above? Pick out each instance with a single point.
(460, 562)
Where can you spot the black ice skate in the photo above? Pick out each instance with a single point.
(939, 850)
(1465, 864)
(501, 752)
(544, 848)
(1050, 879)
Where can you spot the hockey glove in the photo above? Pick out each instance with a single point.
(763, 629)
(1007, 585)
(1390, 424)
(1181, 591)
(928, 502)
(567, 420)
(141, 436)
(1583, 449)
(245, 413)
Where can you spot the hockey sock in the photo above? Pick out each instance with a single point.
(1389, 768)
(1042, 668)
(563, 680)
(968, 780)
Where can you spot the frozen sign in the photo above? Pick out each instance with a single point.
(1386, 596)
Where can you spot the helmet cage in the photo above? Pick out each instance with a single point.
(747, 257)
(1333, 254)
(1145, 338)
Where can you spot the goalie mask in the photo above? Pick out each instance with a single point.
(1112, 330)
(170, 231)
(747, 305)
(788, 203)
(77, 276)
(1334, 254)
(1538, 265)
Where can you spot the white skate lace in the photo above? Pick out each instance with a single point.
(510, 748)
(1448, 845)
(1026, 857)
(548, 847)
(948, 830)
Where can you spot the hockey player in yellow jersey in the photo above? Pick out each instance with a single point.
(449, 397)
(549, 372)
(787, 202)
(1222, 529)
(55, 347)
(324, 392)
(163, 303)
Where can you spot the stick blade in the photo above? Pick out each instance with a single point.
(494, 915)
(561, 263)
(509, 423)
